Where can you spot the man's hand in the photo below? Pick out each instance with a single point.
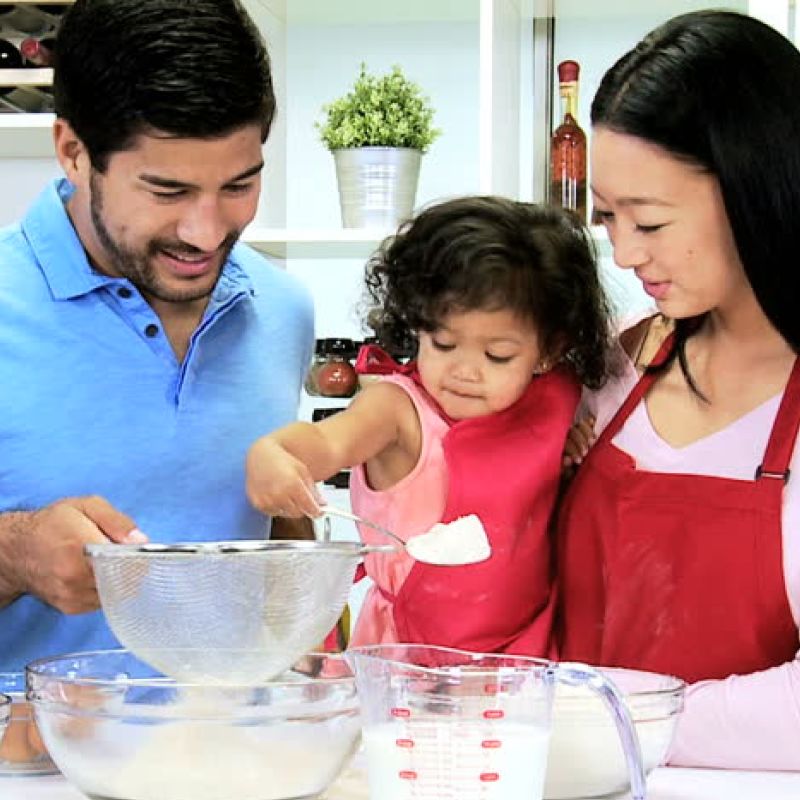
(41, 552)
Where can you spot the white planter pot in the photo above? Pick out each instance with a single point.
(377, 185)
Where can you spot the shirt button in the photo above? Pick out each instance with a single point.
(125, 292)
(151, 330)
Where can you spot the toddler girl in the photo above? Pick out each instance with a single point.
(504, 303)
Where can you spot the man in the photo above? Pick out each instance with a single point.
(143, 349)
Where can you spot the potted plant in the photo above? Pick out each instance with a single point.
(377, 133)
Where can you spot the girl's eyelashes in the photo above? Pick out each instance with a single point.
(607, 217)
(499, 359)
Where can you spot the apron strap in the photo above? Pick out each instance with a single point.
(636, 394)
(778, 454)
(780, 447)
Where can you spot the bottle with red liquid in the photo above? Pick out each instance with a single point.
(568, 147)
(36, 52)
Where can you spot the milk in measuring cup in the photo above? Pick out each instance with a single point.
(455, 760)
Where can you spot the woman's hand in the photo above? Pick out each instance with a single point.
(278, 483)
(579, 439)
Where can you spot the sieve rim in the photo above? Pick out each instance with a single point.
(226, 548)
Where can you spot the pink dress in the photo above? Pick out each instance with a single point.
(412, 505)
(744, 721)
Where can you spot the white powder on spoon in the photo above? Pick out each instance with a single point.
(462, 541)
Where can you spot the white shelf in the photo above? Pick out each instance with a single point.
(314, 243)
(341, 242)
(37, 76)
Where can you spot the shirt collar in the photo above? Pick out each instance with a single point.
(64, 262)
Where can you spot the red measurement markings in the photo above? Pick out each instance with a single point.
(489, 777)
(402, 713)
(407, 775)
(406, 743)
(494, 713)
(491, 744)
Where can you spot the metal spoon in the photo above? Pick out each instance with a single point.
(416, 547)
(335, 511)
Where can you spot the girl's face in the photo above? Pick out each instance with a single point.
(666, 220)
(478, 362)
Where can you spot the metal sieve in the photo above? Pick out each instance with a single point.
(224, 612)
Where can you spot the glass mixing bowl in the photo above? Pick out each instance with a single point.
(21, 749)
(585, 758)
(119, 730)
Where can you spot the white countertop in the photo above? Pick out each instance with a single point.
(664, 784)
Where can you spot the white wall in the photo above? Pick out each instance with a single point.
(21, 180)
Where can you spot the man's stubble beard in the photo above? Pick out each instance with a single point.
(137, 267)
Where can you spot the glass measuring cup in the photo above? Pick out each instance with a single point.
(445, 724)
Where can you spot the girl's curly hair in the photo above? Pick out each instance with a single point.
(493, 253)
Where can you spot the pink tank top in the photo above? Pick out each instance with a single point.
(410, 507)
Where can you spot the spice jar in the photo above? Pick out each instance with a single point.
(317, 361)
(336, 376)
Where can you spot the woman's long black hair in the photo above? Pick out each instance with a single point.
(721, 91)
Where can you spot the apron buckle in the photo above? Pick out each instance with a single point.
(765, 473)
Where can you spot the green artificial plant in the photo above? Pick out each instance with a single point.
(385, 111)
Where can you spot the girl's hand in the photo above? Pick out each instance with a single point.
(278, 483)
(579, 439)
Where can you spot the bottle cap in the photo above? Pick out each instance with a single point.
(30, 48)
(568, 71)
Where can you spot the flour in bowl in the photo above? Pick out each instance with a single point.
(199, 758)
(462, 541)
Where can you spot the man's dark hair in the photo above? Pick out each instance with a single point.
(184, 68)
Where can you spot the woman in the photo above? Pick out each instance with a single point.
(680, 535)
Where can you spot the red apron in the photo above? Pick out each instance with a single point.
(678, 574)
(505, 468)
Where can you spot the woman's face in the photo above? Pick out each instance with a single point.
(666, 221)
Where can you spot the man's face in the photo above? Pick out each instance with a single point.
(166, 213)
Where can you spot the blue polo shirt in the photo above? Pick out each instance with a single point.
(93, 401)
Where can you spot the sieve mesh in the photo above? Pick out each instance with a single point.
(227, 612)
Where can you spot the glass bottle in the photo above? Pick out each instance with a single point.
(568, 147)
(36, 52)
(10, 58)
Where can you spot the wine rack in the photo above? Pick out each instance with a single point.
(25, 90)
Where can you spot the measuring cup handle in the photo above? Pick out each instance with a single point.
(574, 674)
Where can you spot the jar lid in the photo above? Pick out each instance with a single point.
(338, 346)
